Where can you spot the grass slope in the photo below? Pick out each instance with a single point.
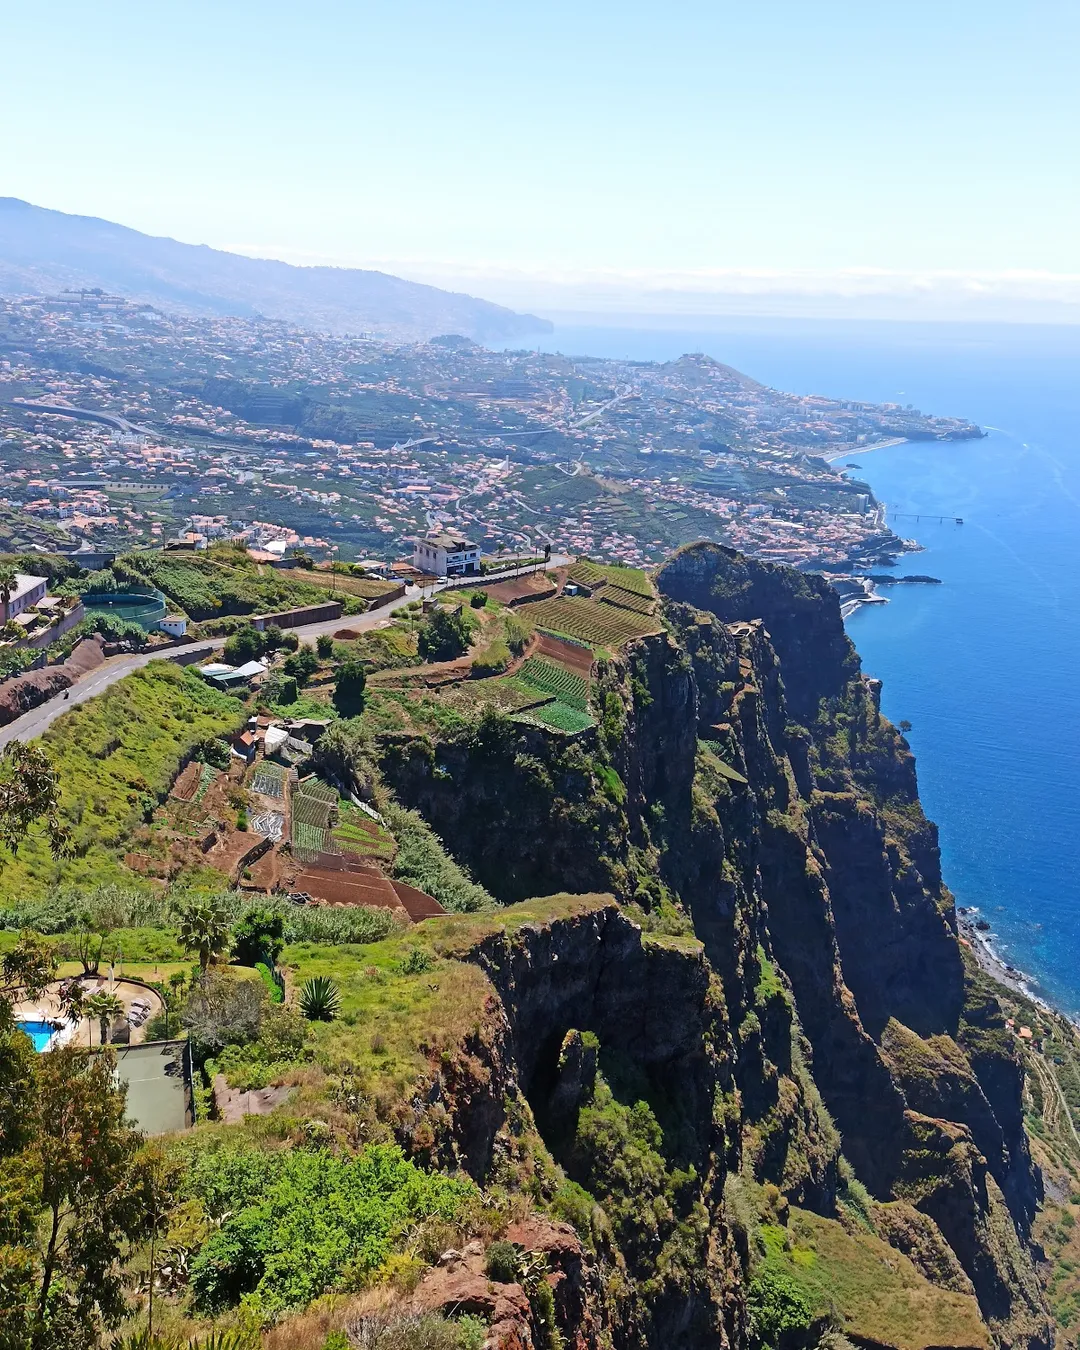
(115, 755)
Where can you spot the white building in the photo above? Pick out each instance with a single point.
(447, 555)
(28, 591)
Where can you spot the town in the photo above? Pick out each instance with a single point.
(125, 428)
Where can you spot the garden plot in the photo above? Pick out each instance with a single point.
(591, 621)
(270, 824)
(268, 779)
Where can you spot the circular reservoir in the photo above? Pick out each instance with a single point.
(146, 608)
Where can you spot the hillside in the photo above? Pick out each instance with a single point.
(43, 251)
(696, 1058)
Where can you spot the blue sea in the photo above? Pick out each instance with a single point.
(986, 667)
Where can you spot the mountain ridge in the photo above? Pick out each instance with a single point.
(43, 250)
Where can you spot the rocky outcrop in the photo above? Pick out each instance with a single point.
(827, 1035)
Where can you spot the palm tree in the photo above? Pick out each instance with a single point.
(319, 999)
(105, 1007)
(8, 583)
(203, 927)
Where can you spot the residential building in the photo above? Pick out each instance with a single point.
(27, 593)
(447, 555)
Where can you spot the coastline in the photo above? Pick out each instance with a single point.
(865, 449)
(981, 945)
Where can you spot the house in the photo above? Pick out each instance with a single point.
(228, 676)
(447, 555)
(174, 624)
(244, 744)
(26, 593)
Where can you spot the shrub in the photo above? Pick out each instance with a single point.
(293, 1220)
(777, 1304)
(324, 645)
(502, 1262)
(477, 600)
(320, 1000)
(301, 665)
(246, 644)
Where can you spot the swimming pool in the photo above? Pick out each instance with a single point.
(41, 1033)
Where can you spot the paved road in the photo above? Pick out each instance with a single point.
(35, 722)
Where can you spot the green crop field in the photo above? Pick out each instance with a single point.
(616, 595)
(598, 624)
(317, 789)
(116, 756)
(556, 715)
(631, 579)
(566, 685)
(310, 811)
(308, 839)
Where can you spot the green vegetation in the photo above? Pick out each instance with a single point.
(295, 1224)
(319, 999)
(591, 621)
(115, 757)
(814, 1270)
(223, 580)
(630, 579)
(423, 862)
(446, 633)
(567, 686)
(557, 716)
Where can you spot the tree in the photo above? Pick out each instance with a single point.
(349, 688)
(905, 726)
(76, 1203)
(324, 645)
(445, 635)
(221, 1011)
(203, 927)
(213, 752)
(104, 1008)
(8, 583)
(302, 665)
(259, 934)
(246, 644)
(29, 797)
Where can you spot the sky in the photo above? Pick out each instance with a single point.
(687, 155)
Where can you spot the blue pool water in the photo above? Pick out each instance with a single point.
(39, 1032)
(986, 666)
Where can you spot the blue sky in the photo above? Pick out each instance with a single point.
(562, 150)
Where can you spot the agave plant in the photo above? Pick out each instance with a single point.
(320, 1000)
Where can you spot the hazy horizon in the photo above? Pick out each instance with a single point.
(890, 161)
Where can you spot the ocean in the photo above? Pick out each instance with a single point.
(985, 666)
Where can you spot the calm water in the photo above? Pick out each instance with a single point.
(985, 666)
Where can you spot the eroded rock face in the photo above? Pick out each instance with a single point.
(760, 791)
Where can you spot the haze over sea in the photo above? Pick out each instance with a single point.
(986, 667)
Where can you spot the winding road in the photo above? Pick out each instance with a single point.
(33, 723)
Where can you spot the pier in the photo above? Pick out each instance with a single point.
(925, 515)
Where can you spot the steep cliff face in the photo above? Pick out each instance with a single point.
(743, 783)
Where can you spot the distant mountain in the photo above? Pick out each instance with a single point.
(44, 252)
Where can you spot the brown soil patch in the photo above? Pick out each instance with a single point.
(520, 590)
(568, 654)
(347, 888)
(184, 788)
(416, 904)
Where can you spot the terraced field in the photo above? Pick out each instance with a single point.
(566, 685)
(268, 779)
(591, 621)
(626, 578)
(557, 716)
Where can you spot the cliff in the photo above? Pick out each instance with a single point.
(764, 1057)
